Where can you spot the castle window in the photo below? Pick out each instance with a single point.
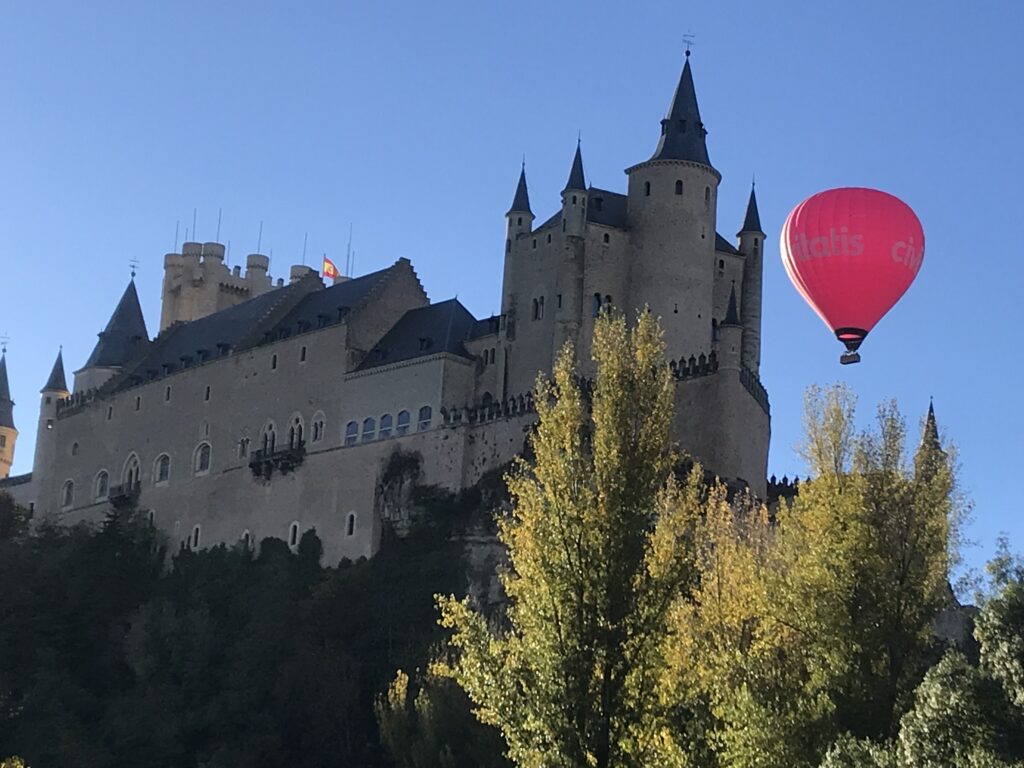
(162, 470)
(425, 415)
(49, 422)
(535, 243)
(167, 394)
(269, 438)
(679, 187)
(132, 473)
(402, 427)
(536, 310)
(424, 343)
(563, 225)
(151, 518)
(350, 524)
(194, 541)
(302, 355)
(74, 448)
(3, 441)
(508, 246)
(48, 399)
(707, 198)
(351, 433)
(574, 199)
(721, 267)
(318, 426)
(101, 488)
(540, 306)
(201, 463)
(67, 494)
(608, 301)
(293, 535)
(596, 305)
(246, 540)
(138, 402)
(549, 237)
(369, 429)
(607, 238)
(273, 362)
(206, 395)
(295, 433)
(110, 415)
(243, 448)
(558, 304)
(519, 221)
(385, 426)
(647, 189)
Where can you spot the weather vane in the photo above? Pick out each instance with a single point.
(3, 343)
(689, 39)
(134, 264)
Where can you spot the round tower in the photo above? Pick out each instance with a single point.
(519, 219)
(730, 337)
(672, 202)
(55, 390)
(751, 245)
(574, 199)
(8, 432)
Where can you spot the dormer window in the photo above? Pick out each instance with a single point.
(425, 343)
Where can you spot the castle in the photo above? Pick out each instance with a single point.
(266, 409)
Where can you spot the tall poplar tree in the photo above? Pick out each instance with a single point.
(600, 545)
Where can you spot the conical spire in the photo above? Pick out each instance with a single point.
(732, 315)
(930, 435)
(576, 178)
(57, 382)
(752, 221)
(682, 132)
(124, 334)
(521, 202)
(6, 404)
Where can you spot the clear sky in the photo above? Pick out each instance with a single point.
(409, 121)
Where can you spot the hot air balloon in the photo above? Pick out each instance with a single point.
(852, 253)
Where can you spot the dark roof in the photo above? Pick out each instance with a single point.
(125, 335)
(6, 404)
(931, 429)
(424, 331)
(552, 222)
(57, 382)
(682, 132)
(732, 315)
(486, 327)
(521, 202)
(604, 207)
(721, 244)
(13, 480)
(331, 303)
(576, 179)
(752, 221)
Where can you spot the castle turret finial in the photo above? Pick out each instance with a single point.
(752, 220)
(576, 177)
(6, 404)
(732, 315)
(57, 381)
(930, 436)
(521, 201)
(682, 132)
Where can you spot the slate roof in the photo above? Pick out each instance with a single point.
(6, 404)
(13, 480)
(752, 221)
(521, 201)
(682, 132)
(552, 222)
(125, 335)
(576, 178)
(608, 208)
(57, 382)
(486, 327)
(441, 327)
(331, 303)
(721, 244)
(732, 315)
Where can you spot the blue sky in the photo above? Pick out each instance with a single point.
(409, 121)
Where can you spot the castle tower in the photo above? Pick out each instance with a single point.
(123, 338)
(8, 432)
(574, 198)
(519, 218)
(53, 391)
(751, 245)
(671, 212)
(730, 337)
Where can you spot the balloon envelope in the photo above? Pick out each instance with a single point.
(852, 253)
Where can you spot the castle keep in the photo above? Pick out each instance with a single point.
(266, 409)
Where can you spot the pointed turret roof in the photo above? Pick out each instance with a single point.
(732, 315)
(124, 335)
(57, 382)
(752, 221)
(521, 202)
(682, 132)
(930, 435)
(6, 404)
(576, 178)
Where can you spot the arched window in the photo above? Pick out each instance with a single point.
(536, 310)
(707, 197)
(647, 189)
(385, 426)
(201, 463)
(295, 432)
(519, 221)
(369, 429)
(74, 448)
(101, 488)
(194, 541)
(596, 305)
(319, 420)
(67, 494)
(151, 518)
(243, 448)
(425, 415)
(608, 301)
(679, 187)
(246, 539)
(402, 427)
(132, 473)
(607, 238)
(162, 469)
(293, 535)
(350, 524)
(540, 308)
(352, 433)
(269, 438)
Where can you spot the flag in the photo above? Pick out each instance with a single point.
(329, 269)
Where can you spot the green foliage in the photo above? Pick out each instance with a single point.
(598, 549)
(849, 752)
(13, 519)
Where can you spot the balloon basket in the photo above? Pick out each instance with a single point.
(848, 358)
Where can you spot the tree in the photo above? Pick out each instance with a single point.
(599, 543)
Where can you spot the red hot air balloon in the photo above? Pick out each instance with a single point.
(852, 253)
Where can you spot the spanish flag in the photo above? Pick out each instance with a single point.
(330, 271)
